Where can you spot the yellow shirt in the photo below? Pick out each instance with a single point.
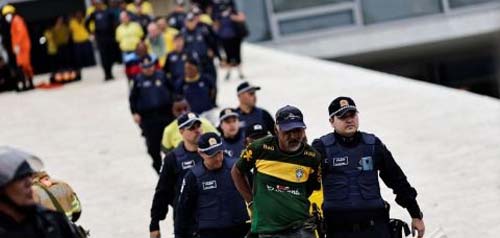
(129, 35)
(89, 11)
(146, 8)
(168, 36)
(78, 32)
(172, 137)
(51, 44)
(205, 18)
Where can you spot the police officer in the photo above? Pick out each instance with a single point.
(353, 206)
(171, 136)
(177, 17)
(105, 24)
(151, 99)
(248, 111)
(255, 132)
(286, 171)
(19, 214)
(208, 196)
(200, 39)
(233, 137)
(174, 64)
(197, 88)
(175, 165)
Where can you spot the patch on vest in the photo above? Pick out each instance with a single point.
(366, 163)
(187, 164)
(212, 184)
(341, 161)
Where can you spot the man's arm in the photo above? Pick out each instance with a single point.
(185, 210)
(240, 170)
(164, 192)
(394, 178)
(241, 183)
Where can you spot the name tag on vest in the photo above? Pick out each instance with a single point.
(187, 164)
(340, 161)
(209, 184)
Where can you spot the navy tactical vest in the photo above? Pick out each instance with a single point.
(256, 116)
(350, 178)
(234, 148)
(153, 92)
(220, 205)
(185, 161)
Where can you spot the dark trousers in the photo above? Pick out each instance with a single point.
(232, 47)
(379, 229)
(239, 231)
(152, 127)
(84, 54)
(107, 54)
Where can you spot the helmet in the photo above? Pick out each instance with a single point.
(8, 9)
(15, 163)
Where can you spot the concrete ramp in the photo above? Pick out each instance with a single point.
(447, 141)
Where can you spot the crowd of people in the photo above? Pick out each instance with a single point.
(244, 174)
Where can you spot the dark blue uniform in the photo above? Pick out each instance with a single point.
(176, 20)
(210, 200)
(201, 40)
(175, 166)
(234, 146)
(199, 93)
(174, 64)
(353, 206)
(257, 116)
(152, 97)
(105, 25)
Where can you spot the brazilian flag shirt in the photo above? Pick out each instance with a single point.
(282, 184)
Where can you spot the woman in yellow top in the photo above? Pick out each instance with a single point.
(82, 47)
(128, 33)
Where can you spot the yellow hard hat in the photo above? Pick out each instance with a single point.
(8, 9)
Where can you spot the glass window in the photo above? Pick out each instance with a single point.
(462, 3)
(385, 10)
(316, 22)
(287, 5)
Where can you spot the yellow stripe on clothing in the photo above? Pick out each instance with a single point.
(294, 173)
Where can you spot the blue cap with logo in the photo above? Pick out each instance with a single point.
(187, 120)
(289, 118)
(210, 143)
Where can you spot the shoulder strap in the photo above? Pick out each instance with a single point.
(328, 139)
(56, 203)
(369, 139)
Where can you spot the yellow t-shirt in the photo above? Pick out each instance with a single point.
(51, 44)
(89, 11)
(146, 8)
(129, 35)
(168, 37)
(78, 32)
(172, 137)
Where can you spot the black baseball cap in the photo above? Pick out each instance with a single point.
(210, 143)
(289, 118)
(187, 120)
(340, 106)
(256, 131)
(246, 87)
(147, 61)
(190, 16)
(227, 112)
